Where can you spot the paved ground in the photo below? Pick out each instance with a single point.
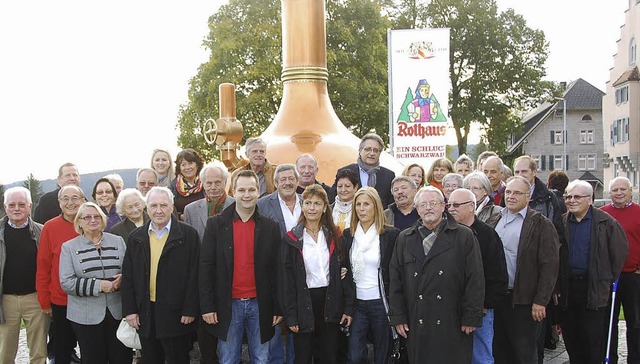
(558, 356)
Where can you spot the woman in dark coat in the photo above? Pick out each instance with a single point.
(187, 186)
(369, 245)
(131, 205)
(316, 300)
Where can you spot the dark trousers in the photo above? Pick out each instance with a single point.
(173, 350)
(207, 344)
(318, 346)
(584, 330)
(369, 317)
(628, 295)
(515, 334)
(99, 344)
(63, 332)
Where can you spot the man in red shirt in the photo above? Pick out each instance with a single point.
(239, 274)
(626, 212)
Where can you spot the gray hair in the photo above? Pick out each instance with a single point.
(521, 179)
(215, 165)
(160, 189)
(283, 168)
(427, 189)
(127, 192)
(477, 176)
(576, 183)
(452, 176)
(464, 159)
(309, 155)
(411, 182)
(78, 189)
(371, 136)
(628, 182)
(248, 145)
(115, 177)
(150, 170)
(80, 215)
(17, 189)
(471, 195)
(501, 164)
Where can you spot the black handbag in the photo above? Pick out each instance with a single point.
(399, 351)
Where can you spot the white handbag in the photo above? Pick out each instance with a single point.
(128, 335)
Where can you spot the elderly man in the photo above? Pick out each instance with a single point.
(239, 258)
(307, 166)
(626, 212)
(461, 206)
(146, 178)
(530, 244)
(256, 150)
(369, 170)
(591, 260)
(160, 281)
(284, 206)
(402, 213)
(48, 207)
(437, 284)
(19, 237)
(493, 168)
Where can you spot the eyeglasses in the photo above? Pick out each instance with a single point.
(454, 186)
(88, 218)
(371, 149)
(432, 204)
(105, 192)
(476, 188)
(577, 198)
(456, 204)
(514, 193)
(74, 199)
(150, 184)
(20, 205)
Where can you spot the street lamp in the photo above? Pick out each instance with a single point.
(564, 131)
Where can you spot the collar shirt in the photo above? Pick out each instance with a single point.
(24, 225)
(580, 238)
(164, 230)
(509, 228)
(364, 177)
(316, 260)
(290, 218)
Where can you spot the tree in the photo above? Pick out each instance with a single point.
(35, 188)
(246, 49)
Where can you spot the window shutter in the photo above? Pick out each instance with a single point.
(566, 163)
(612, 132)
(551, 163)
(543, 164)
(553, 139)
(565, 134)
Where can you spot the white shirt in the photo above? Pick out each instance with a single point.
(316, 260)
(290, 218)
(164, 230)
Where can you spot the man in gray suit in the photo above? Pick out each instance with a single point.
(284, 206)
(214, 181)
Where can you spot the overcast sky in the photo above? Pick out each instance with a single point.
(100, 83)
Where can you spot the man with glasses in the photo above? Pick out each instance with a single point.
(627, 213)
(19, 236)
(368, 169)
(461, 206)
(48, 207)
(146, 178)
(590, 262)
(402, 213)
(530, 244)
(437, 285)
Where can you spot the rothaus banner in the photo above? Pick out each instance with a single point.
(419, 87)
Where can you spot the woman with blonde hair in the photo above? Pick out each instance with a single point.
(162, 164)
(416, 173)
(369, 244)
(439, 168)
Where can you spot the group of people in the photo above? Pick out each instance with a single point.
(458, 264)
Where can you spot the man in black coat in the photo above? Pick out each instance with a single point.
(461, 206)
(369, 171)
(48, 207)
(238, 275)
(160, 282)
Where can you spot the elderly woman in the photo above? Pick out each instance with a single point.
(450, 183)
(369, 245)
(131, 205)
(346, 187)
(104, 194)
(162, 164)
(463, 165)
(187, 186)
(116, 180)
(90, 273)
(439, 168)
(479, 184)
(316, 301)
(416, 173)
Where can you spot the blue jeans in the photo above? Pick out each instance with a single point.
(276, 352)
(369, 316)
(244, 317)
(483, 341)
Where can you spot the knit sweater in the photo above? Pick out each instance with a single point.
(628, 219)
(54, 233)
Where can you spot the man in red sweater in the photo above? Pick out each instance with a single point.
(627, 213)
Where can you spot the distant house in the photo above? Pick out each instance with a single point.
(543, 135)
(621, 104)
